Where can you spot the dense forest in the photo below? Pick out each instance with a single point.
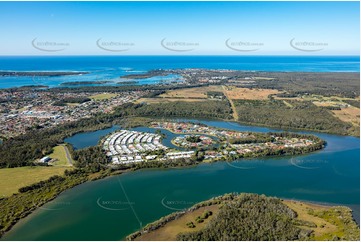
(326, 84)
(302, 115)
(250, 217)
(203, 109)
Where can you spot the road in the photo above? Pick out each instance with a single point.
(67, 154)
(235, 114)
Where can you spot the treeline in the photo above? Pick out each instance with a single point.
(302, 115)
(325, 84)
(286, 95)
(254, 138)
(42, 73)
(148, 74)
(28, 199)
(217, 95)
(207, 109)
(355, 103)
(120, 88)
(48, 183)
(250, 217)
(270, 137)
(332, 107)
(64, 101)
(92, 159)
(25, 149)
(83, 83)
(154, 94)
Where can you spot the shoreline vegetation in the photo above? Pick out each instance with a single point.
(149, 74)
(304, 89)
(251, 217)
(83, 83)
(84, 171)
(42, 73)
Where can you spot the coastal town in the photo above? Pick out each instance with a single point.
(23, 110)
(205, 142)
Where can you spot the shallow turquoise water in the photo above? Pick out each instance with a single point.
(112, 67)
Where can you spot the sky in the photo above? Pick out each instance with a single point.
(177, 28)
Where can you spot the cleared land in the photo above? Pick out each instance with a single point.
(167, 100)
(247, 93)
(102, 96)
(60, 156)
(256, 106)
(328, 220)
(191, 93)
(170, 230)
(72, 104)
(349, 114)
(14, 178)
(235, 114)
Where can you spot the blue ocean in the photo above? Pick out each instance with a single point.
(112, 68)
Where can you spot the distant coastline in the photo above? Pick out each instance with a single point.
(83, 83)
(41, 73)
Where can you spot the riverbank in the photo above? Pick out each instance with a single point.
(253, 164)
(204, 220)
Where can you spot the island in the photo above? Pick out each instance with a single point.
(42, 73)
(80, 83)
(252, 217)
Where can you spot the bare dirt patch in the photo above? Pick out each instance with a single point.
(196, 92)
(349, 114)
(248, 93)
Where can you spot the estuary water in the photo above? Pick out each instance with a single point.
(111, 68)
(114, 207)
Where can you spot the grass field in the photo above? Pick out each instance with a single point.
(59, 155)
(102, 96)
(247, 93)
(349, 114)
(171, 229)
(329, 220)
(72, 104)
(14, 178)
(189, 93)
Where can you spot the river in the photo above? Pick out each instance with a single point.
(114, 207)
